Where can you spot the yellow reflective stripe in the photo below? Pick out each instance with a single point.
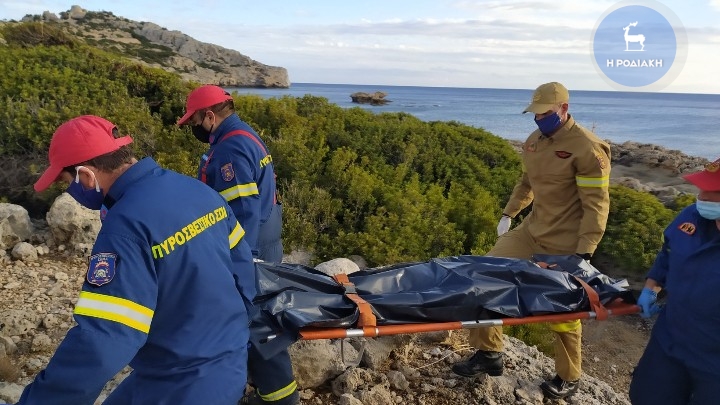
(279, 394)
(114, 309)
(240, 190)
(592, 181)
(565, 326)
(236, 235)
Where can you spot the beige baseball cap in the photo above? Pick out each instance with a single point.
(546, 97)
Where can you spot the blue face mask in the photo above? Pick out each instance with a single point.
(708, 209)
(549, 124)
(92, 198)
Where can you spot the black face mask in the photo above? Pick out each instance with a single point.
(202, 134)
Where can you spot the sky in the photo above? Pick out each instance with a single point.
(443, 43)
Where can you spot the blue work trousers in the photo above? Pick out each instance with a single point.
(270, 248)
(662, 379)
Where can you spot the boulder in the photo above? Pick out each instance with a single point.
(317, 361)
(15, 225)
(77, 13)
(72, 224)
(25, 252)
(48, 16)
(298, 257)
(337, 266)
(376, 98)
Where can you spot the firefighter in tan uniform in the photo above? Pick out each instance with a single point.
(566, 173)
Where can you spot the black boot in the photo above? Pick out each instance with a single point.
(482, 361)
(557, 388)
(254, 399)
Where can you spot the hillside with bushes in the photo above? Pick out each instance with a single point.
(388, 187)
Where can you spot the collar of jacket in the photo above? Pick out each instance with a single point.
(130, 176)
(226, 126)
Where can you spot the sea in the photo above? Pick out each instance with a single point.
(689, 123)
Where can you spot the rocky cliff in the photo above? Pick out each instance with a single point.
(173, 51)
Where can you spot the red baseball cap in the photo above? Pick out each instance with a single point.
(78, 140)
(203, 97)
(707, 179)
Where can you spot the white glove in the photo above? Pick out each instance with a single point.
(503, 225)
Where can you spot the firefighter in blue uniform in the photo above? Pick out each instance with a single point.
(239, 166)
(681, 363)
(168, 285)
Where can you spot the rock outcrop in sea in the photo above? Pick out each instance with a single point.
(376, 98)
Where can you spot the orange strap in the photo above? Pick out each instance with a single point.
(367, 319)
(601, 313)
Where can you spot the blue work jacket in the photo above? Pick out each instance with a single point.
(239, 166)
(167, 291)
(688, 268)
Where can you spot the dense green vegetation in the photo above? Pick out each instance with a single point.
(388, 187)
(48, 77)
(634, 227)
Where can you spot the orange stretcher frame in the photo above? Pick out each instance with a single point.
(614, 309)
(367, 322)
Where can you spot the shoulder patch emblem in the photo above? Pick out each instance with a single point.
(101, 268)
(601, 160)
(562, 154)
(687, 227)
(227, 172)
(532, 147)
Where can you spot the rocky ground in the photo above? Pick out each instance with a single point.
(38, 298)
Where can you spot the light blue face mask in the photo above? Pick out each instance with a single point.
(708, 209)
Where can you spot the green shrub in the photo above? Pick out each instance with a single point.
(37, 33)
(42, 86)
(634, 229)
(682, 201)
(533, 334)
(388, 187)
(385, 186)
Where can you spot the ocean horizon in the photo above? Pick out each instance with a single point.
(688, 122)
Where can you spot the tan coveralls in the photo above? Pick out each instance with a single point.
(566, 177)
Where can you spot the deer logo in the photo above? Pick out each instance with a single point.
(633, 38)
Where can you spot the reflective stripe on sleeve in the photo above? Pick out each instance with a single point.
(592, 181)
(236, 235)
(114, 309)
(240, 190)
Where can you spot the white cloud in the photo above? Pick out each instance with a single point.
(715, 4)
(461, 53)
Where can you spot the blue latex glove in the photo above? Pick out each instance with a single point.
(647, 300)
